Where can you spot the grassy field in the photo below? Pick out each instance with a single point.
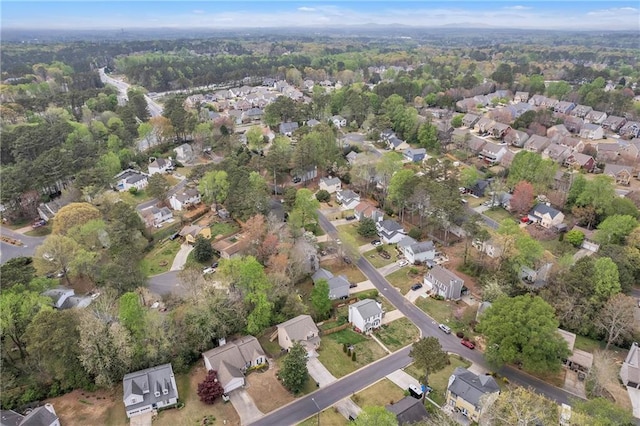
(43, 231)
(442, 311)
(271, 348)
(439, 381)
(353, 274)
(339, 363)
(329, 417)
(159, 260)
(352, 230)
(223, 228)
(378, 262)
(498, 214)
(134, 200)
(380, 394)
(402, 279)
(397, 334)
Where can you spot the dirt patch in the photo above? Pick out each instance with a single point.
(80, 408)
(455, 253)
(267, 391)
(541, 233)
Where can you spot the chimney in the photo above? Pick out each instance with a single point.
(222, 341)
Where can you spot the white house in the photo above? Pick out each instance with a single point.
(184, 153)
(546, 216)
(493, 153)
(160, 165)
(232, 359)
(367, 210)
(630, 370)
(149, 389)
(366, 315)
(444, 283)
(330, 185)
(591, 131)
(348, 199)
(184, 199)
(338, 121)
(417, 252)
(390, 231)
(154, 216)
(490, 247)
(129, 178)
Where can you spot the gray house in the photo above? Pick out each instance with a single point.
(149, 389)
(630, 370)
(41, 416)
(444, 283)
(338, 285)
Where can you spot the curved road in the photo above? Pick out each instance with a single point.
(9, 251)
(155, 109)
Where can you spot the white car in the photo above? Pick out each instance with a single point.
(208, 271)
(402, 263)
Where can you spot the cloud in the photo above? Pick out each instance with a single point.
(519, 7)
(199, 12)
(307, 9)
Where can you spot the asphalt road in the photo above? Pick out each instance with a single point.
(165, 284)
(9, 251)
(155, 109)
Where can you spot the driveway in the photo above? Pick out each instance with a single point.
(402, 379)
(181, 258)
(245, 407)
(340, 222)
(634, 395)
(391, 316)
(362, 286)
(388, 269)
(366, 248)
(144, 419)
(413, 295)
(348, 408)
(319, 372)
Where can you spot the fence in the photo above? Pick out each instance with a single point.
(335, 329)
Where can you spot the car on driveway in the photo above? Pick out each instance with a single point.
(38, 223)
(402, 263)
(296, 179)
(353, 285)
(206, 271)
(444, 328)
(468, 344)
(416, 286)
(346, 260)
(350, 217)
(376, 243)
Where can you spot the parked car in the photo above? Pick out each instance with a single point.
(296, 179)
(347, 260)
(38, 223)
(209, 270)
(350, 217)
(468, 344)
(376, 243)
(402, 263)
(354, 285)
(416, 286)
(525, 219)
(444, 328)
(214, 265)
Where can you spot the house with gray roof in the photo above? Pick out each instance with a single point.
(621, 174)
(476, 144)
(338, 121)
(537, 143)
(65, 298)
(631, 129)
(469, 120)
(444, 283)
(630, 370)
(149, 389)
(348, 199)
(546, 216)
(595, 117)
(330, 184)
(160, 165)
(556, 152)
(408, 411)
(414, 154)
(581, 111)
(338, 285)
(591, 131)
(44, 415)
(312, 123)
(417, 252)
(516, 138)
(390, 231)
(470, 394)
(492, 152)
(507, 159)
(231, 360)
(397, 144)
(130, 178)
(366, 315)
(182, 200)
(288, 128)
(613, 123)
(563, 107)
(521, 97)
(300, 329)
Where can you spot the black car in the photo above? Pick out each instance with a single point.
(416, 286)
(214, 265)
(353, 285)
(352, 217)
(346, 260)
(296, 179)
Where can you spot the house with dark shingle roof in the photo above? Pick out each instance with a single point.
(390, 231)
(443, 282)
(348, 199)
(130, 178)
(516, 138)
(546, 216)
(415, 251)
(415, 154)
(338, 285)
(44, 415)
(149, 389)
(613, 123)
(591, 131)
(631, 129)
(537, 143)
(469, 393)
(469, 120)
(581, 111)
(288, 128)
(231, 360)
(408, 411)
(595, 117)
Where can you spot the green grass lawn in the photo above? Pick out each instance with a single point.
(339, 363)
(378, 262)
(329, 417)
(374, 294)
(43, 231)
(442, 312)
(439, 381)
(352, 230)
(223, 228)
(17, 224)
(159, 260)
(559, 248)
(498, 214)
(587, 344)
(272, 348)
(397, 334)
(353, 274)
(134, 200)
(380, 394)
(403, 280)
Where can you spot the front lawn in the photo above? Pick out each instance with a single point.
(160, 258)
(340, 364)
(380, 394)
(440, 380)
(498, 214)
(352, 230)
(403, 279)
(353, 274)
(397, 334)
(558, 248)
(374, 294)
(443, 312)
(134, 199)
(378, 262)
(329, 417)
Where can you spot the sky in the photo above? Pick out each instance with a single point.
(216, 14)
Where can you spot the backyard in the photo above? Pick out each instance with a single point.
(223, 228)
(440, 380)
(397, 334)
(379, 394)
(377, 261)
(331, 353)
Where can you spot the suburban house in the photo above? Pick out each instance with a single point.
(579, 360)
(557, 131)
(415, 154)
(507, 159)
(184, 153)
(589, 242)
(613, 123)
(149, 389)
(160, 165)
(338, 121)
(484, 125)
(500, 130)
(444, 283)
(352, 157)
(575, 144)
(308, 174)
(366, 315)
(232, 359)
(621, 174)
(408, 411)
(312, 123)
(300, 329)
(581, 111)
(573, 124)
(47, 211)
(191, 232)
(591, 131)
(367, 210)
(253, 114)
(182, 200)
(595, 117)
(630, 370)
(492, 153)
(631, 129)
(537, 100)
(231, 246)
(390, 231)
(631, 151)
(288, 128)
(563, 107)
(581, 161)
(469, 393)
(470, 120)
(330, 185)
(338, 285)
(155, 216)
(609, 152)
(44, 415)
(129, 178)
(516, 138)
(397, 144)
(556, 152)
(521, 97)
(537, 143)
(536, 278)
(546, 216)
(476, 144)
(417, 252)
(479, 187)
(65, 298)
(348, 199)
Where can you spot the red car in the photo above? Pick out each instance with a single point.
(525, 219)
(468, 344)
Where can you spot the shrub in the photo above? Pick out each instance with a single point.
(353, 356)
(133, 190)
(460, 335)
(323, 196)
(379, 249)
(574, 237)
(210, 389)
(415, 233)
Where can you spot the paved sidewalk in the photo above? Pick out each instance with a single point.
(348, 408)
(388, 269)
(475, 368)
(244, 406)
(391, 316)
(362, 286)
(341, 222)
(181, 257)
(380, 343)
(319, 372)
(634, 395)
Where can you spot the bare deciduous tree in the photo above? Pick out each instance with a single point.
(616, 318)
